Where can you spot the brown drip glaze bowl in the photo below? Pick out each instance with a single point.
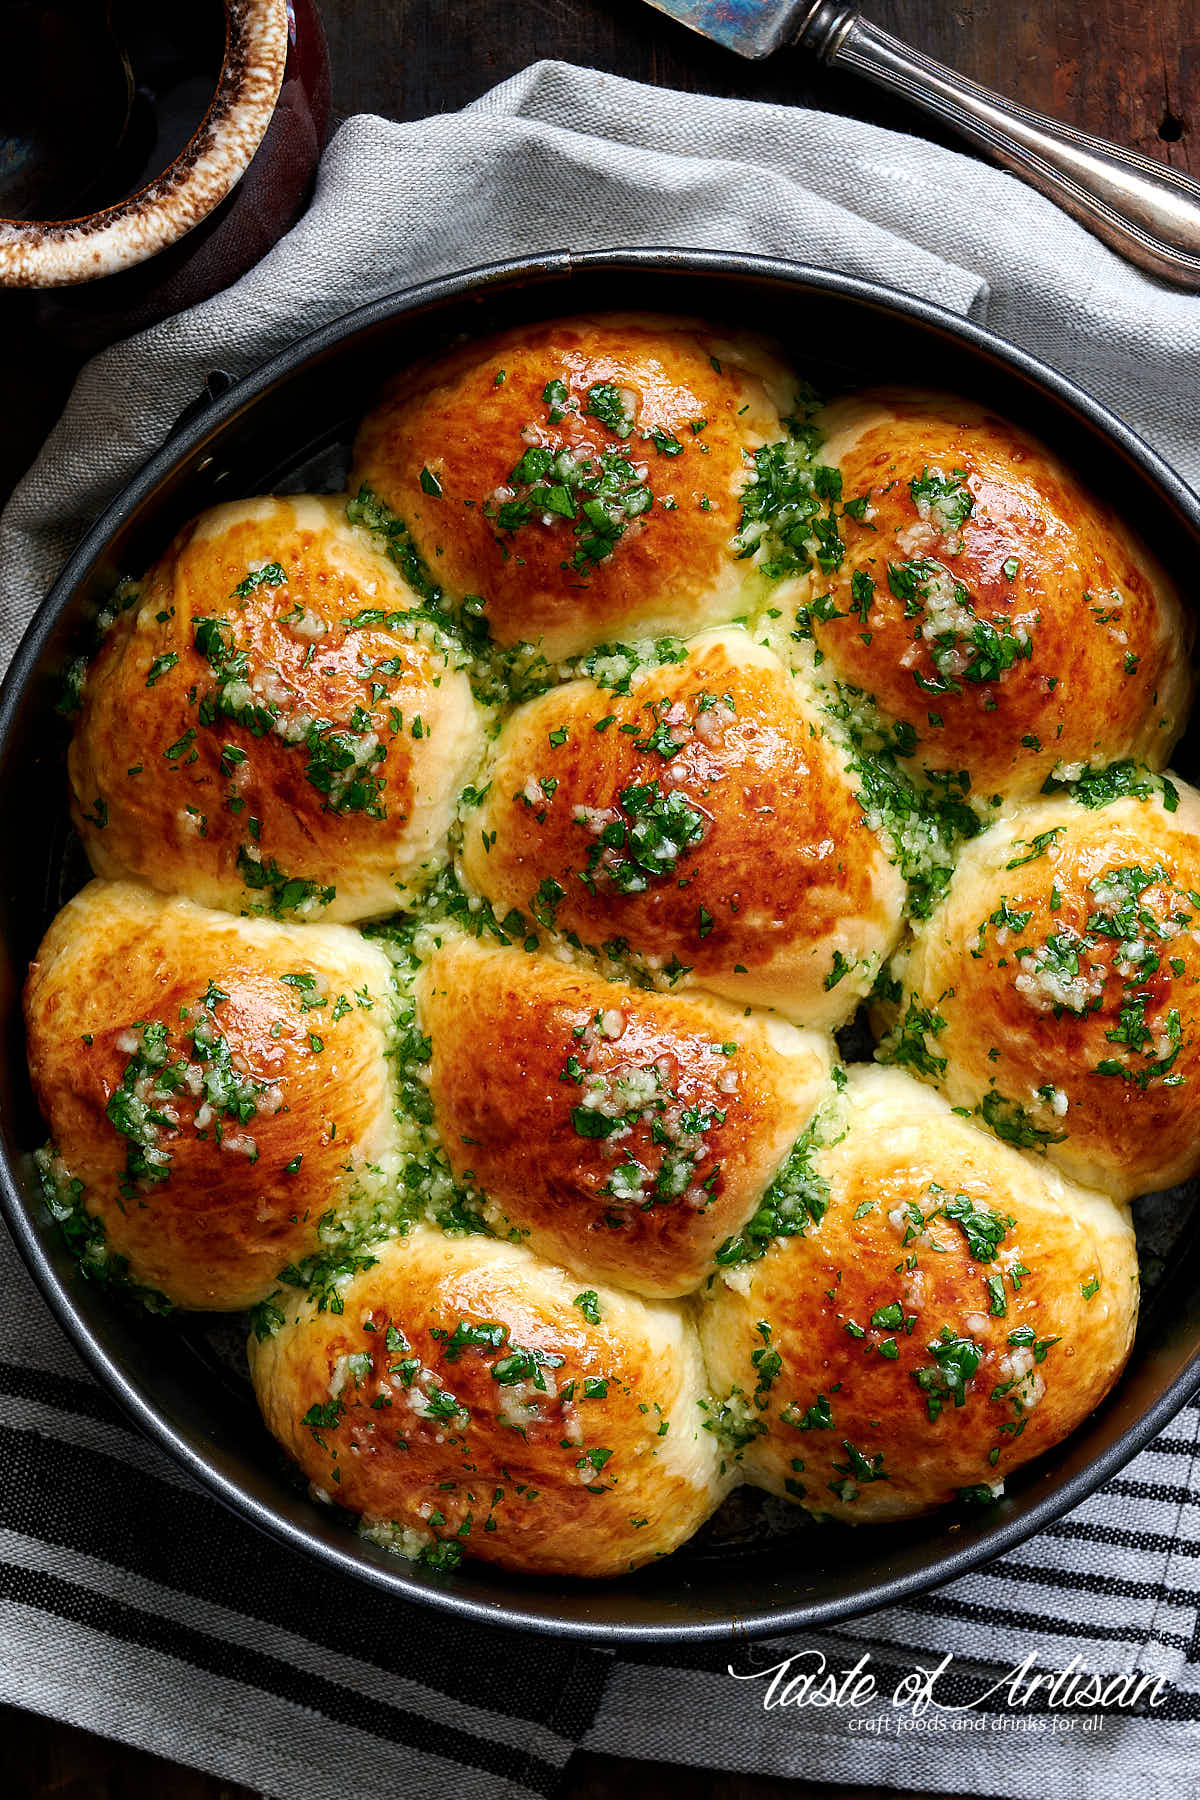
(239, 182)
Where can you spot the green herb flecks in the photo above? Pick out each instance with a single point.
(907, 1045)
(644, 843)
(955, 1360)
(856, 1472)
(269, 575)
(144, 1105)
(599, 496)
(1115, 781)
(943, 500)
(983, 1229)
(84, 1234)
(340, 757)
(788, 519)
(797, 1198)
(1010, 1121)
(925, 821)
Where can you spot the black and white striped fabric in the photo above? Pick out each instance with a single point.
(131, 1603)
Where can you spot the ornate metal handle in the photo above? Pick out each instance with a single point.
(1145, 211)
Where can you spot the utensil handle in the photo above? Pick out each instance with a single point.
(1144, 210)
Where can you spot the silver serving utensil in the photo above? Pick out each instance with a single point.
(1144, 210)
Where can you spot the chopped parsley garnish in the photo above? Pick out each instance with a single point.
(962, 645)
(84, 1234)
(323, 1415)
(817, 1417)
(889, 1317)
(611, 406)
(983, 1229)
(1007, 918)
(781, 519)
(340, 757)
(942, 498)
(144, 1106)
(856, 1472)
(1116, 781)
(925, 823)
(862, 593)
(1010, 1121)
(270, 574)
(907, 1043)
(1034, 847)
(665, 442)
(840, 967)
(797, 1197)
(646, 844)
(600, 496)
(613, 666)
(615, 1104)
(955, 1360)
(288, 893)
(488, 1336)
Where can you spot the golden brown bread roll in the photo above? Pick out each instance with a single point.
(1007, 618)
(215, 1084)
(1055, 990)
(471, 1398)
(705, 820)
(583, 476)
(625, 1134)
(958, 1309)
(262, 731)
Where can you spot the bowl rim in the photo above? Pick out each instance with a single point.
(954, 1560)
(39, 253)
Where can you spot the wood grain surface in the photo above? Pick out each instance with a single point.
(1124, 68)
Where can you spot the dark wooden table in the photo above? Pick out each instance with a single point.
(1120, 67)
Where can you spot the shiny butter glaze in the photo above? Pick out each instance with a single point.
(1108, 675)
(570, 1483)
(618, 1139)
(515, 1039)
(787, 900)
(216, 1233)
(1112, 1131)
(892, 1141)
(130, 750)
(468, 417)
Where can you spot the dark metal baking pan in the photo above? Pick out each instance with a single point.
(289, 426)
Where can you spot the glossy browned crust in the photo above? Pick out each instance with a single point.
(806, 1292)
(469, 424)
(1106, 679)
(152, 802)
(1116, 1134)
(505, 1027)
(787, 900)
(573, 1480)
(214, 1235)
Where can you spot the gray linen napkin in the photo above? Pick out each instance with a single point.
(187, 1634)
